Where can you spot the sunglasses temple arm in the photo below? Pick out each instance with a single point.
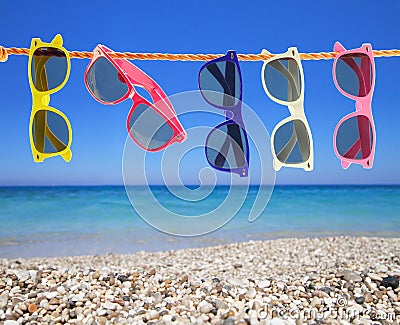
(365, 136)
(216, 72)
(230, 77)
(39, 129)
(40, 116)
(294, 72)
(234, 133)
(56, 142)
(287, 149)
(161, 98)
(354, 149)
(135, 74)
(234, 129)
(366, 72)
(221, 157)
(361, 80)
(139, 78)
(277, 65)
(40, 73)
(303, 143)
(362, 143)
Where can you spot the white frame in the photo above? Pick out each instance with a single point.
(296, 109)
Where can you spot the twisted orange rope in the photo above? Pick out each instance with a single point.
(4, 52)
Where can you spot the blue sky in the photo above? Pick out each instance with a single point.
(99, 131)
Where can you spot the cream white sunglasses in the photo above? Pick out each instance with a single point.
(291, 140)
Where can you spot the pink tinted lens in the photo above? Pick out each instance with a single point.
(354, 74)
(354, 138)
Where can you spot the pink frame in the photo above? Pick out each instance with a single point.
(363, 107)
(133, 76)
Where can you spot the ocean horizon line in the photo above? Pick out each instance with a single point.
(194, 185)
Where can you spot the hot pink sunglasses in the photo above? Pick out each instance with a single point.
(153, 126)
(354, 76)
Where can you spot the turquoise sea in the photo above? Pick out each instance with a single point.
(58, 221)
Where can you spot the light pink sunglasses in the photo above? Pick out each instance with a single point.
(354, 76)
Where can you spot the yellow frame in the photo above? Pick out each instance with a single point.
(41, 100)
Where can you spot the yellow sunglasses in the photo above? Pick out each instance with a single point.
(50, 132)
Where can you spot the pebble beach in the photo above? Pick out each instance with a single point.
(332, 280)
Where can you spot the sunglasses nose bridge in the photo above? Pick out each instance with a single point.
(132, 94)
(297, 111)
(229, 114)
(359, 105)
(46, 100)
(234, 113)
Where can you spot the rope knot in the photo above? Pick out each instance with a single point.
(3, 54)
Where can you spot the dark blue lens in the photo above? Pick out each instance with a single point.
(220, 83)
(226, 147)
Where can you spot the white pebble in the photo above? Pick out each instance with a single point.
(315, 301)
(74, 288)
(380, 268)
(61, 290)
(33, 274)
(101, 312)
(284, 297)
(11, 322)
(204, 309)
(277, 321)
(221, 304)
(251, 293)
(157, 298)
(79, 297)
(3, 299)
(264, 284)
(109, 305)
(167, 318)
(374, 277)
(235, 282)
(23, 275)
(127, 284)
(14, 290)
(51, 295)
(153, 314)
(44, 303)
(392, 295)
